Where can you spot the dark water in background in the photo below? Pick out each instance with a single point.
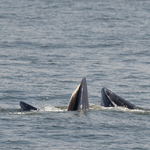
(47, 47)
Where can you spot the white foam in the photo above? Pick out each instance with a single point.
(52, 108)
(117, 108)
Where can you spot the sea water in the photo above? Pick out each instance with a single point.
(47, 47)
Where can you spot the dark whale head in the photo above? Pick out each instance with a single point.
(79, 99)
(26, 107)
(110, 99)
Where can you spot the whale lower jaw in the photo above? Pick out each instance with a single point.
(79, 99)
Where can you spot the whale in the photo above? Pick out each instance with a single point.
(110, 99)
(78, 101)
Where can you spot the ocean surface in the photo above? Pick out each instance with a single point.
(47, 47)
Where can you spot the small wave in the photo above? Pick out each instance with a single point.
(94, 107)
(20, 112)
(9, 110)
(32, 112)
(118, 108)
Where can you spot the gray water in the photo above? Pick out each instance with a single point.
(47, 47)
